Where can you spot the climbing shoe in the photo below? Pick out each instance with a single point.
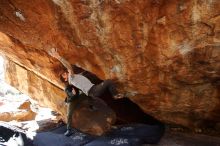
(68, 132)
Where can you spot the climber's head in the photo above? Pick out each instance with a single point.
(64, 75)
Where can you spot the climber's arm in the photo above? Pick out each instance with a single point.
(66, 64)
(53, 52)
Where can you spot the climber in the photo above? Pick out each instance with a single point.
(72, 101)
(83, 83)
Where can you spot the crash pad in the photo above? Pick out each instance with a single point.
(124, 135)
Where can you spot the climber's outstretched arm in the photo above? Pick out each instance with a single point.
(53, 52)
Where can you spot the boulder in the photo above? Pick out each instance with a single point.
(93, 116)
(19, 111)
(18, 116)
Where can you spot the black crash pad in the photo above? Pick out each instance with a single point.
(149, 134)
(56, 137)
(127, 135)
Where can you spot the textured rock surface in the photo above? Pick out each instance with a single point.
(91, 116)
(164, 53)
(34, 86)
